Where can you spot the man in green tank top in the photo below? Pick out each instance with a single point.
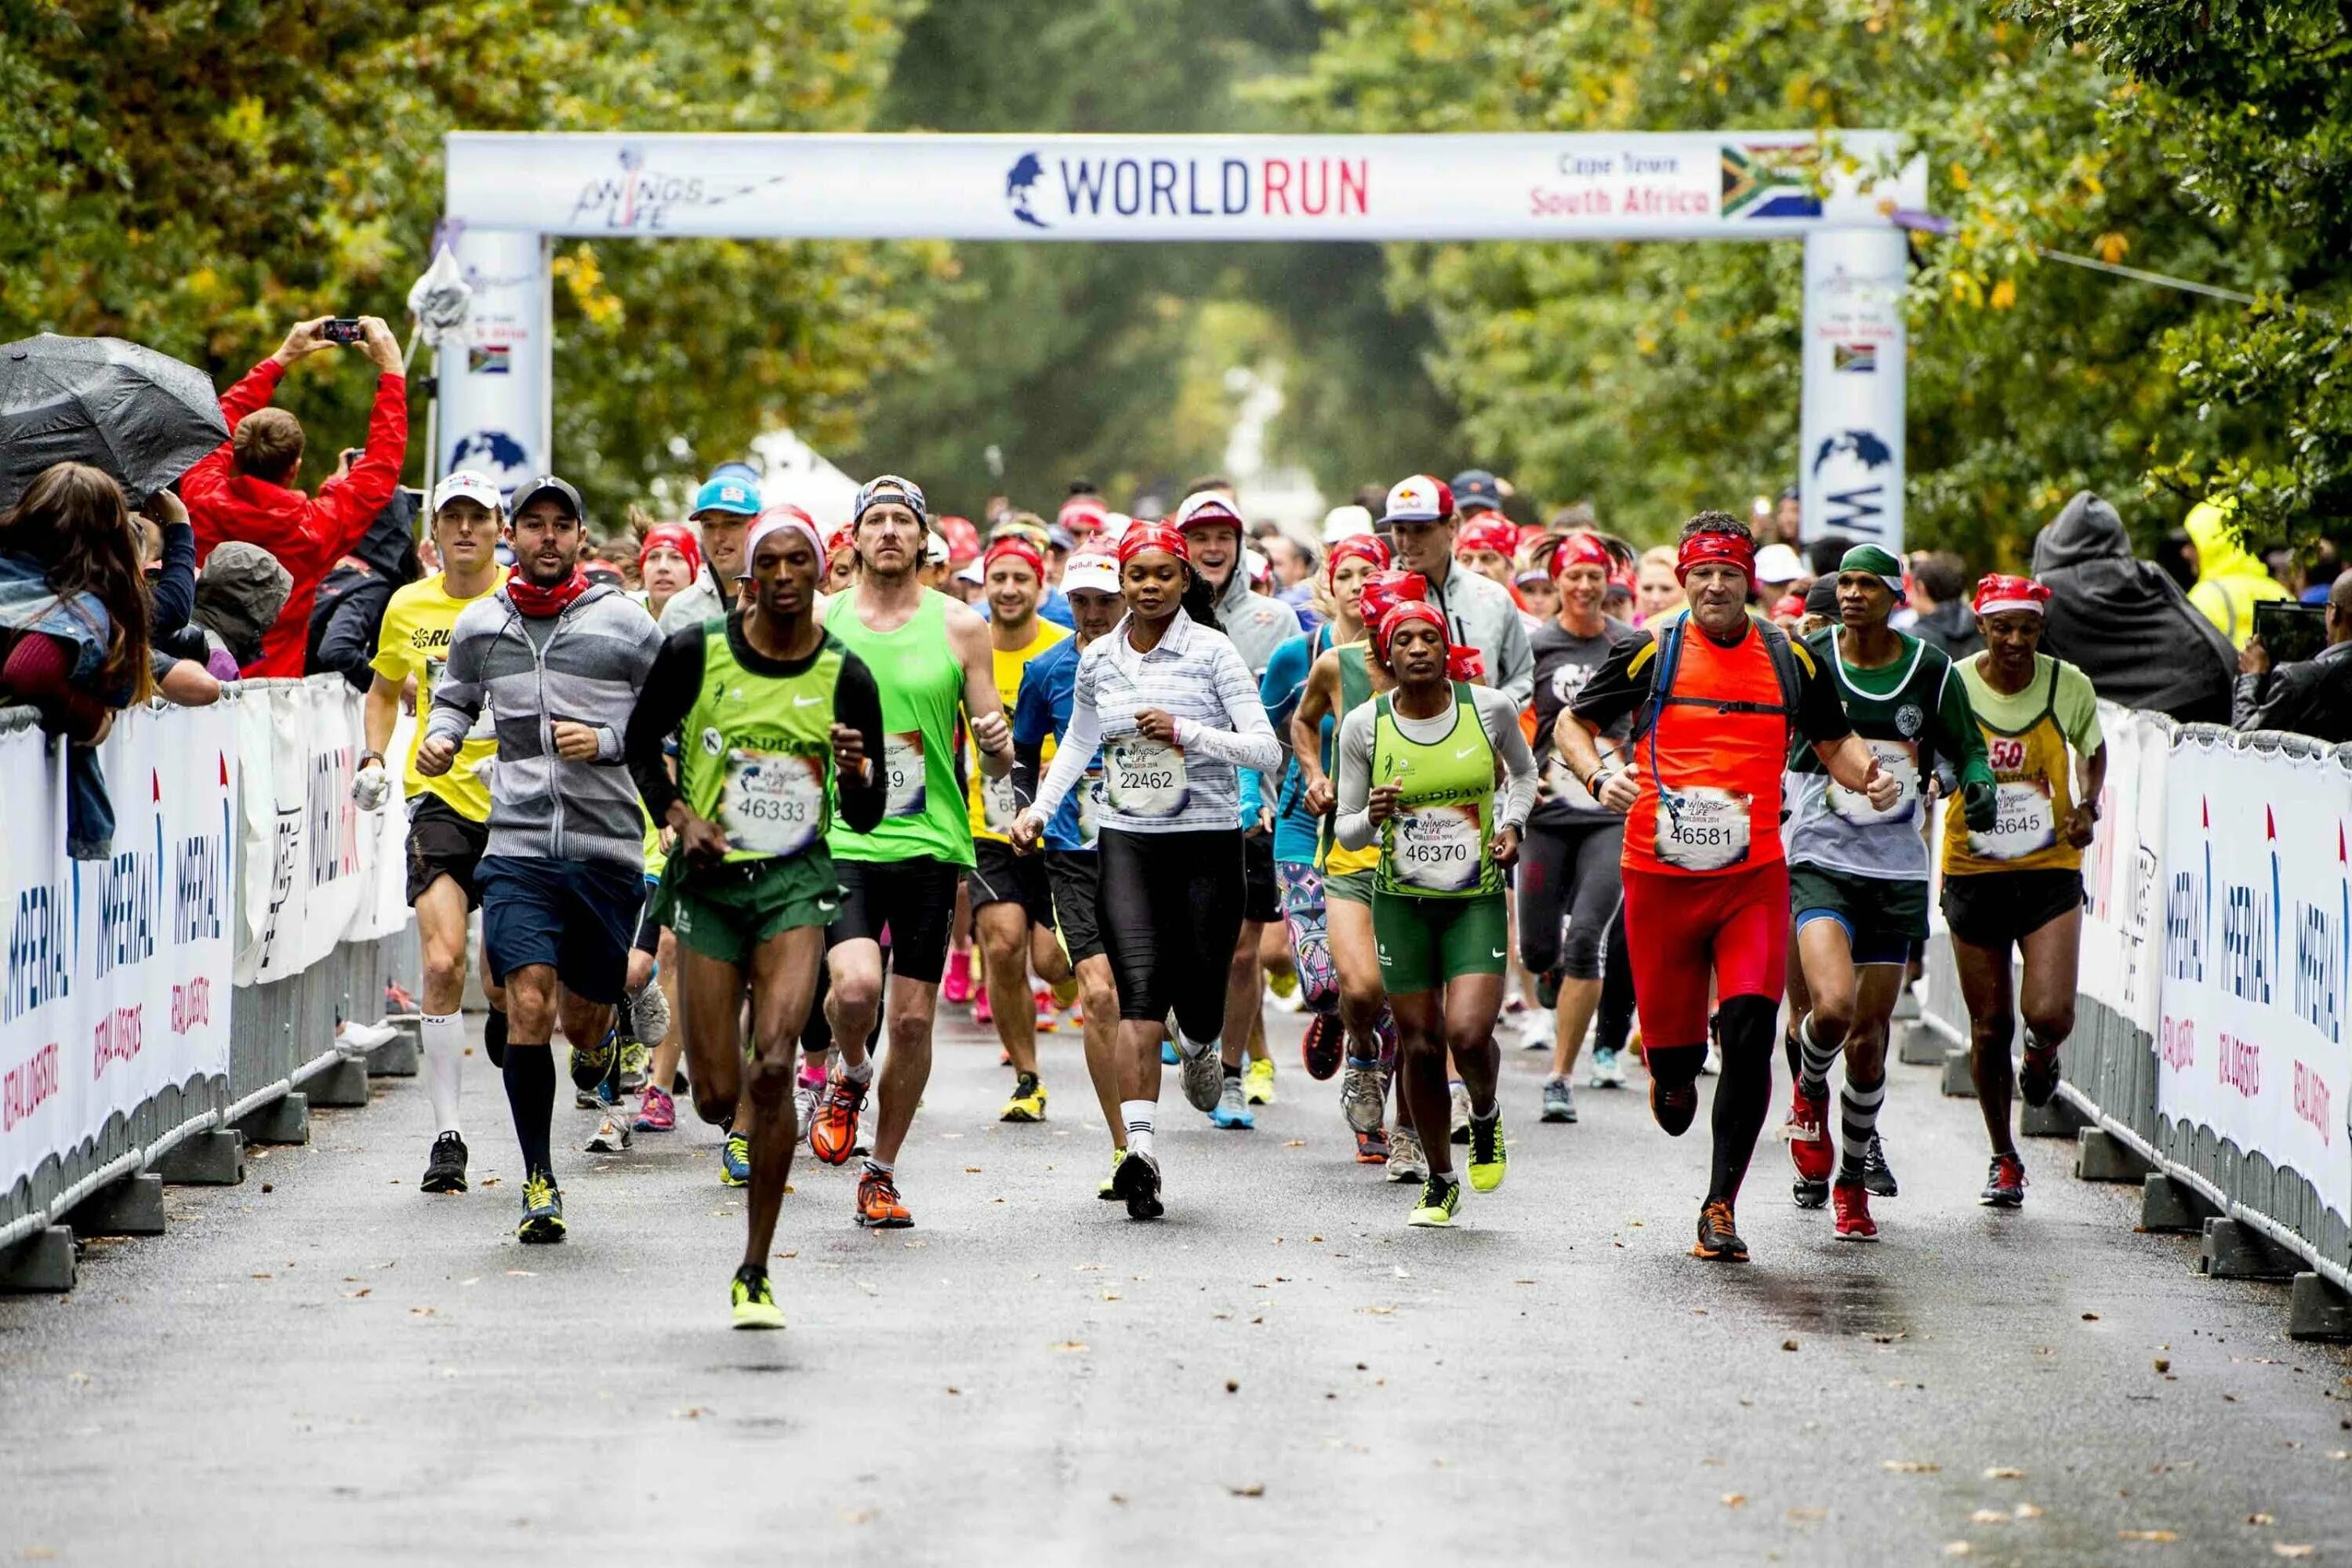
(776, 720)
(1858, 878)
(932, 660)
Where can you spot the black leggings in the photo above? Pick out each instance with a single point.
(1170, 906)
(1568, 893)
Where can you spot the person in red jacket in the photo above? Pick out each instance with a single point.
(243, 489)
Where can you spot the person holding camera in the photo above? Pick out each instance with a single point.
(2309, 697)
(244, 489)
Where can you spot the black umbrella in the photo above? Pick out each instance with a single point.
(142, 416)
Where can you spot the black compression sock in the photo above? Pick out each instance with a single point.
(494, 1037)
(531, 1095)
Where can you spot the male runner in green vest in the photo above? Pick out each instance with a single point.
(931, 657)
(1858, 877)
(775, 719)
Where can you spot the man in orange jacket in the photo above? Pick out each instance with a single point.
(244, 491)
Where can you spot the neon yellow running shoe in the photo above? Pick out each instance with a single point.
(1028, 1101)
(1257, 1082)
(542, 1212)
(1441, 1196)
(1108, 1191)
(1282, 982)
(755, 1299)
(1490, 1153)
(1065, 991)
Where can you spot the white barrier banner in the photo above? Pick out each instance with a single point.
(275, 748)
(2257, 948)
(332, 740)
(383, 847)
(119, 969)
(2122, 952)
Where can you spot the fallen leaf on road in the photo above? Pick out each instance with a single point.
(691, 1413)
(2339, 1453)
(2262, 1519)
(355, 1295)
(1957, 1549)
(1988, 1516)
(477, 1279)
(1110, 1296)
(1787, 1344)
(1120, 1498)
(1887, 1339)
(1912, 1466)
(261, 1276)
(2164, 1363)
(1072, 1346)
(2281, 1548)
(523, 1273)
(1296, 1144)
(1808, 1515)
(1735, 1500)
(2090, 1316)
(1255, 1489)
(2004, 1473)
(1377, 1312)
(421, 1311)
(971, 1170)
(2025, 1510)
(2147, 1535)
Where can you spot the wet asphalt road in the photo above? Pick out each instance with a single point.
(323, 1365)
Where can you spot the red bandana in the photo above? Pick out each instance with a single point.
(1703, 549)
(542, 604)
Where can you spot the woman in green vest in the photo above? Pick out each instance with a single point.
(1419, 767)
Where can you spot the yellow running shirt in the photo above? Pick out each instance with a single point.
(991, 799)
(2027, 735)
(415, 641)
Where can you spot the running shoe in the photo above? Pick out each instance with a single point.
(635, 1057)
(590, 1067)
(1282, 982)
(611, 1137)
(1460, 1130)
(1362, 1096)
(1876, 1174)
(735, 1160)
(1441, 1197)
(1108, 1191)
(1808, 1133)
(1168, 1056)
(1547, 989)
(1232, 1110)
(2004, 1185)
(1538, 1032)
(1407, 1162)
(445, 1168)
(1717, 1241)
(1608, 1071)
(1049, 1017)
(982, 1011)
(1257, 1081)
(656, 1111)
(1028, 1101)
(542, 1212)
(1204, 1077)
(1137, 1184)
(1852, 1220)
(807, 1088)
(397, 1000)
(755, 1299)
(1323, 1046)
(878, 1208)
(605, 1095)
(832, 1131)
(1065, 991)
(1558, 1100)
(956, 987)
(1669, 1106)
(1372, 1148)
(1490, 1152)
(2038, 1079)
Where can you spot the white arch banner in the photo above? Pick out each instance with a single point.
(508, 193)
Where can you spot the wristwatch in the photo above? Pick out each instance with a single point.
(369, 756)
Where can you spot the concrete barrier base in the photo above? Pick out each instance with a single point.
(213, 1159)
(286, 1121)
(2234, 1251)
(2316, 1309)
(2167, 1204)
(133, 1206)
(2101, 1157)
(2059, 1119)
(1957, 1083)
(397, 1057)
(343, 1085)
(43, 1261)
(1917, 1045)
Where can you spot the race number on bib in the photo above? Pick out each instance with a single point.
(1703, 829)
(1144, 778)
(1899, 763)
(998, 805)
(902, 771)
(772, 803)
(1437, 848)
(2025, 821)
(1090, 808)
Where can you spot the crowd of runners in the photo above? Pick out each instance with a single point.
(739, 835)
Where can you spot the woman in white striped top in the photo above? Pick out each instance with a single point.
(1175, 712)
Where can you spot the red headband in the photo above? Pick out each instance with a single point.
(1384, 590)
(1020, 549)
(1465, 664)
(1790, 606)
(1724, 549)
(1356, 547)
(1582, 549)
(1998, 593)
(1400, 613)
(673, 536)
(1499, 537)
(841, 539)
(1148, 536)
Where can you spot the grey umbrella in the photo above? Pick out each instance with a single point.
(142, 415)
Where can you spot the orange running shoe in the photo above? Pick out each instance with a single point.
(832, 1131)
(877, 1202)
(1717, 1241)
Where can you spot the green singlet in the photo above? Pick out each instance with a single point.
(924, 811)
(756, 757)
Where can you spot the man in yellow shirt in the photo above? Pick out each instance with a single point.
(1012, 905)
(448, 816)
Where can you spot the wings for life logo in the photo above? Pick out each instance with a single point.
(1020, 189)
(643, 198)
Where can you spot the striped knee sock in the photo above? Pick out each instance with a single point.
(1858, 1114)
(1814, 1062)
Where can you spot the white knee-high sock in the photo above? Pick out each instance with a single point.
(442, 1036)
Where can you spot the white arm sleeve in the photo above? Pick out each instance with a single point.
(1075, 749)
(1250, 743)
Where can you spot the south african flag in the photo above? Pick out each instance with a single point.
(1769, 182)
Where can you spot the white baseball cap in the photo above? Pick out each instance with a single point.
(472, 484)
(1779, 564)
(1090, 570)
(1345, 522)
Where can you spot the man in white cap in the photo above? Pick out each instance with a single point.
(1479, 612)
(449, 815)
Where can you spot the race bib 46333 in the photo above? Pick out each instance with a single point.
(772, 803)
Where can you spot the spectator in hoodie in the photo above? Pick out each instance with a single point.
(2230, 580)
(2125, 623)
(240, 596)
(244, 489)
(2312, 696)
(1939, 598)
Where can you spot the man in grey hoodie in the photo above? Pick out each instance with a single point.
(1479, 612)
(560, 661)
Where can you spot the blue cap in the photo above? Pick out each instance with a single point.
(1475, 489)
(727, 493)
